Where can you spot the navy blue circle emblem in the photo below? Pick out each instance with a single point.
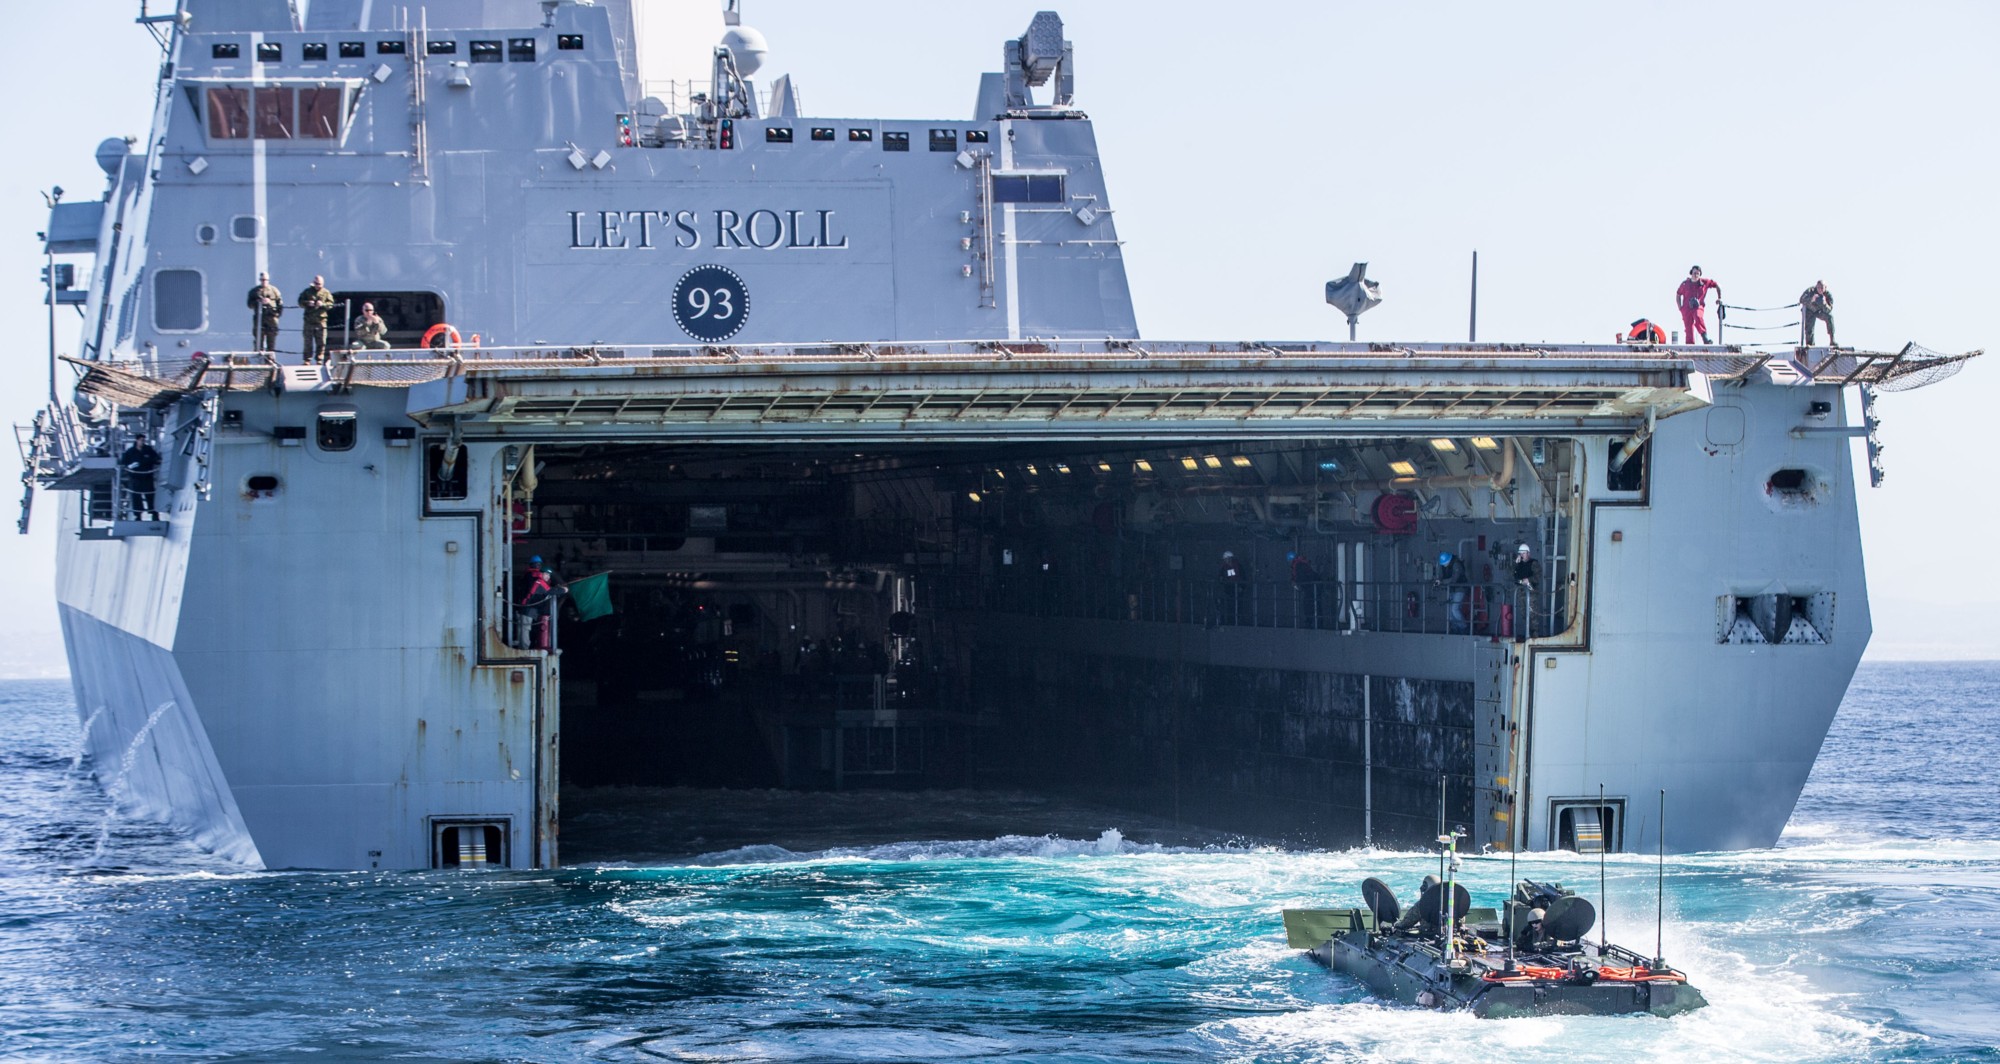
(710, 303)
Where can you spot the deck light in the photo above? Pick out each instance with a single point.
(1240, 461)
(1104, 467)
(1190, 464)
(973, 495)
(1001, 473)
(1063, 468)
(1403, 468)
(1486, 443)
(1143, 466)
(1444, 445)
(1032, 471)
(1212, 461)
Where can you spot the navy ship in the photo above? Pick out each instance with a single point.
(842, 435)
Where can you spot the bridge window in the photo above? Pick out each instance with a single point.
(314, 52)
(520, 49)
(944, 140)
(228, 50)
(822, 133)
(353, 50)
(441, 48)
(1027, 188)
(569, 42)
(270, 52)
(179, 301)
(319, 113)
(895, 142)
(389, 48)
(228, 114)
(777, 134)
(274, 114)
(485, 51)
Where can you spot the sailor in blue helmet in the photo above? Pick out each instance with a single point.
(1302, 568)
(1451, 575)
(537, 602)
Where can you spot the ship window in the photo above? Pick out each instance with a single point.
(484, 51)
(179, 302)
(442, 486)
(895, 142)
(822, 133)
(944, 140)
(389, 48)
(260, 486)
(228, 114)
(860, 135)
(244, 227)
(336, 429)
(975, 136)
(777, 134)
(319, 113)
(353, 50)
(442, 48)
(1027, 188)
(313, 53)
(569, 42)
(520, 49)
(1631, 475)
(274, 114)
(270, 52)
(204, 234)
(408, 315)
(225, 51)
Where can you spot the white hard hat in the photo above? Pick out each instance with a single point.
(1522, 549)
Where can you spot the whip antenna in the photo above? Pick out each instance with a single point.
(1660, 896)
(1603, 899)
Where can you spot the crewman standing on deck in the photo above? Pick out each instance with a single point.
(267, 302)
(314, 303)
(1816, 305)
(1693, 299)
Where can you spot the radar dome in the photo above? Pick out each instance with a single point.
(747, 47)
(111, 153)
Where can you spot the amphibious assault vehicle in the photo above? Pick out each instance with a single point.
(1530, 958)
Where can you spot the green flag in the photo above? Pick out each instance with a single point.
(591, 596)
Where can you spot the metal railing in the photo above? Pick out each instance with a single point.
(1495, 610)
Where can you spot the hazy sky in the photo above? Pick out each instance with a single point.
(1590, 151)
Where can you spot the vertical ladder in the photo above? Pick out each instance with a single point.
(1493, 746)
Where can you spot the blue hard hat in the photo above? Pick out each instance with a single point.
(1291, 555)
(1445, 558)
(536, 560)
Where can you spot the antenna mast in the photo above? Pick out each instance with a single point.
(1472, 329)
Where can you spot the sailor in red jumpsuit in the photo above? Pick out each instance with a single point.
(1693, 299)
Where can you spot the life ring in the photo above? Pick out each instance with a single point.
(433, 332)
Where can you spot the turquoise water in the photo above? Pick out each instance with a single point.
(1869, 934)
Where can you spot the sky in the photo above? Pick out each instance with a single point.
(1589, 151)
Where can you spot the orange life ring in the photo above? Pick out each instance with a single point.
(441, 327)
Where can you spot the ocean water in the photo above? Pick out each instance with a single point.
(1872, 933)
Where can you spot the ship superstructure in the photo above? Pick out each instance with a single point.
(856, 417)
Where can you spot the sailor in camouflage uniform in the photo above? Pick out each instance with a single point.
(369, 329)
(314, 303)
(267, 302)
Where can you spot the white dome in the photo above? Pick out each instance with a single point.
(747, 47)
